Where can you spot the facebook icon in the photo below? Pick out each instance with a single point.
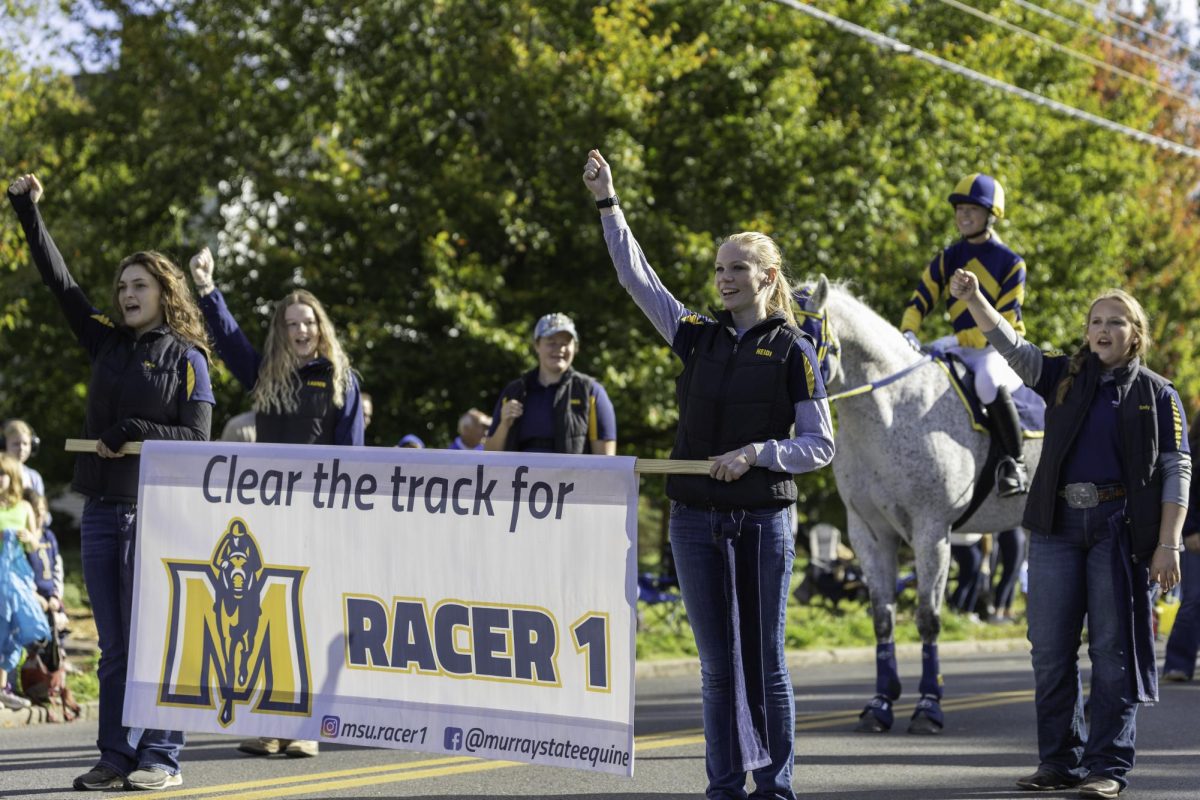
(452, 739)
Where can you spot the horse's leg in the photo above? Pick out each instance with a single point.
(227, 687)
(877, 554)
(933, 566)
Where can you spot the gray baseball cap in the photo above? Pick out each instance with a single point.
(552, 324)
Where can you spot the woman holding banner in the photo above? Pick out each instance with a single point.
(303, 390)
(748, 377)
(149, 381)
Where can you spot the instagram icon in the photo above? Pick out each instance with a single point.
(330, 725)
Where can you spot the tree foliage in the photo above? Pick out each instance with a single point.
(416, 165)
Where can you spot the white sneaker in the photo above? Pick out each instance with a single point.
(13, 701)
(301, 748)
(150, 778)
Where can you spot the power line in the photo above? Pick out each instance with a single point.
(1095, 62)
(885, 42)
(1129, 22)
(1113, 40)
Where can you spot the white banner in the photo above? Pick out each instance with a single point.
(445, 601)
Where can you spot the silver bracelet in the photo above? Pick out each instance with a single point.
(1178, 548)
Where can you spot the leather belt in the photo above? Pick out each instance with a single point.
(1089, 495)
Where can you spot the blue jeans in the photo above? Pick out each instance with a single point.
(969, 558)
(1185, 634)
(698, 560)
(1070, 577)
(107, 532)
(1009, 554)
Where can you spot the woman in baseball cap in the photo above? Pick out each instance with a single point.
(553, 408)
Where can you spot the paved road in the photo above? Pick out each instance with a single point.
(988, 743)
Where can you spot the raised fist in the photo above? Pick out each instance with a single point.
(963, 284)
(597, 176)
(27, 184)
(201, 266)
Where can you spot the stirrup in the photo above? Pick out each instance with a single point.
(1011, 477)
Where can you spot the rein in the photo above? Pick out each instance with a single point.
(879, 384)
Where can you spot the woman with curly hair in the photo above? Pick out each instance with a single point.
(302, 388)
(149, 380)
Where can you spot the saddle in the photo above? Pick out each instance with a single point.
(1031, 410)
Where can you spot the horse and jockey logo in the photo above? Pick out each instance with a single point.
(235, 634)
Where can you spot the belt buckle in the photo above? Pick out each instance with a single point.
(1082, 495)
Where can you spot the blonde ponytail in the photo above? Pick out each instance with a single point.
(766, 254)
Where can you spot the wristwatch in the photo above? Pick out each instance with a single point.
(608, 202)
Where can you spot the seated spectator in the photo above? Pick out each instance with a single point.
(411, 440)
(20, 442)
(552, 408)
(472, 430)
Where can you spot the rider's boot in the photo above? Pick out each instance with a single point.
(1011, 476)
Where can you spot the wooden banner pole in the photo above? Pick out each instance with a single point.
(646, 466)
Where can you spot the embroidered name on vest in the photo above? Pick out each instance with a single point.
(763, 352)
(317, 384)
(149, 364)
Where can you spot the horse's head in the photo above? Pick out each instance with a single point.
(857, 345)
(812, 314)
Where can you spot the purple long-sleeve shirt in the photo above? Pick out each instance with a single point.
(811, 448)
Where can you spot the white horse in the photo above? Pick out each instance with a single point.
(906, 467)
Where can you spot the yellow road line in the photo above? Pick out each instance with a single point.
(265, 789)
(315, 776)
(677, 741)
(375, 780)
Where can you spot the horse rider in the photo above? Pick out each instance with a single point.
(978, 201)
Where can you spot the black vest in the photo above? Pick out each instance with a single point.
(315, 418)
(142, 378)
(572, 403)
(1138, 389)
(731, 394)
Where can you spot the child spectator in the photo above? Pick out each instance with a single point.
(46, 561)
(21, 443)
(17, 516)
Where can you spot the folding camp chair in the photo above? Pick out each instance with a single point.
(659, 601)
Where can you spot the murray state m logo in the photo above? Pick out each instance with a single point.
(236, 627)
